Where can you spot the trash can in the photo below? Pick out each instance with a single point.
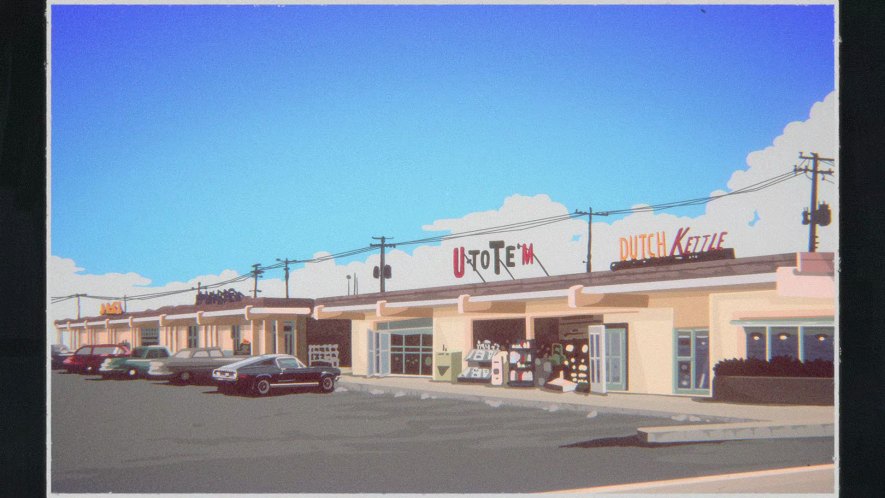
(448, 366)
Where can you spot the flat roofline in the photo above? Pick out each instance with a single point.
(598, 279)
(621, 279)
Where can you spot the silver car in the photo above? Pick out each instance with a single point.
(189, 364)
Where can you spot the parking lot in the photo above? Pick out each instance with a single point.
(145, 436)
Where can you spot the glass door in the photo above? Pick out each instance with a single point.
(378, 353)
(289, 338)
(692, 362)
(616, 358)
(597, 359)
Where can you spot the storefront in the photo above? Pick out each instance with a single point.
(247, 326)
(652, 330)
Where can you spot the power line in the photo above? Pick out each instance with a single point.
(507, 228)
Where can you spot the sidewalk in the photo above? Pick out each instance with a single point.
(708, 420)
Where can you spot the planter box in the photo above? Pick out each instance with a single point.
(774, 390)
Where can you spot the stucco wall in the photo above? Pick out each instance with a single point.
(649, 349)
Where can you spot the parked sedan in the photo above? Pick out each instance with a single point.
(89, 358)
(260, 374)
(59, 353)
(189, 364)
(136, 365)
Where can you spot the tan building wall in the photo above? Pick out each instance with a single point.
(649, 349)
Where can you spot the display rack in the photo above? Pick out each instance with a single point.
(522, 364)
(479, 363)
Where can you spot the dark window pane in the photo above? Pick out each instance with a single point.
(818, 343)
(396, 363)
(683, 374)
(701, 362)
(755, 342)
(683, 345)
(427, 340)
(396, 339)
(412, 366)
(784, 341)
(413, 340)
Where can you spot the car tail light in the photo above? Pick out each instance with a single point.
(69, 360)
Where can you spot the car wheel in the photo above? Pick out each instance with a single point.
(261, 387)
(184, 377)
(327, 384)
(133, 373)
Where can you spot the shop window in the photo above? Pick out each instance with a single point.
(756, 342)
(784, 341)
(817, 343)
(692, 362)
(798, 342)
(193, 336)
(150, 337)
(411, 346)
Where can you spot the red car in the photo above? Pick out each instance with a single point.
(88, 359)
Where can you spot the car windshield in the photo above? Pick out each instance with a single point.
(184, 353)
(288, 363)
(83, 351)
(106, 350)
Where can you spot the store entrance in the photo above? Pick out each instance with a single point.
(401, 348)
(568, 337)
(503, 332)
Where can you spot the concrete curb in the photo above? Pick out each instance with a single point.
(735, 431)
(564, 405)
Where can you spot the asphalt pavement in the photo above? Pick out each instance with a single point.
(154, 437)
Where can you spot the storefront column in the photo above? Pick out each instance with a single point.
(300, 336)
(529, 328)
(280, 336)
(254, 333)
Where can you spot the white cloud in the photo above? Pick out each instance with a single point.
(765, 222)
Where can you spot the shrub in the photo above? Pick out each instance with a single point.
(779, 366)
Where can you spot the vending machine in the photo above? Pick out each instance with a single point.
(500, 366)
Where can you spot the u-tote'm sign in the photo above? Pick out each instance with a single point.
(651, 249)
(497, 253)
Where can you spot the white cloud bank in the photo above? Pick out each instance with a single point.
(765, 222)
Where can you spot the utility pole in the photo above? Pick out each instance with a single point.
(255, 273)
(124, 303)
(286, 263)
(815, 215)
(382, 274)
(589, 236)
(589, 214)
(78, 296)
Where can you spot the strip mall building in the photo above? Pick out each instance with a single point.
(664, 327)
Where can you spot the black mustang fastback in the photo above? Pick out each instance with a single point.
(259, 374)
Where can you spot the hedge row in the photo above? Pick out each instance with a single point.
(779, 366)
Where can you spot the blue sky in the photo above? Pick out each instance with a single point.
(191, 139)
